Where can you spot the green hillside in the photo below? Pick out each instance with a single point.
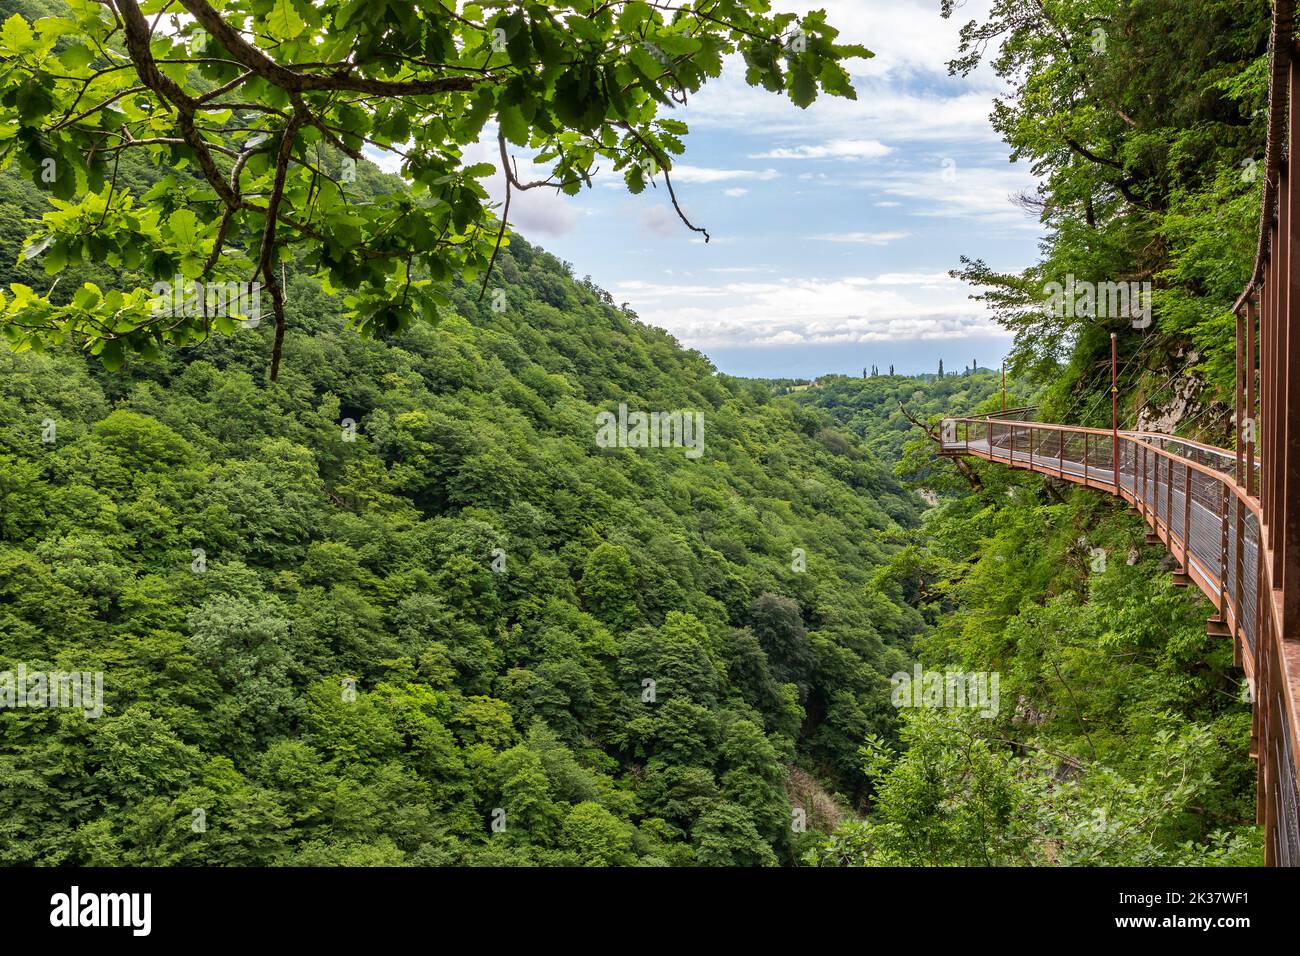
(332, 563)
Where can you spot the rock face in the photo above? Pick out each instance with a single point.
(1165, 417)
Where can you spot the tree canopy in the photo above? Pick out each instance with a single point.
(262, 109)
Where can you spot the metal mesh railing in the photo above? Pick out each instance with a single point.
(1219, 459)
(1287, 832)
(1188, 492)
(1191, 499)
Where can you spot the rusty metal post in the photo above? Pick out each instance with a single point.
(1155, 487)
(1265, 386)
(1277, 374)
(1238, 380)
(1239, 567)
(1187, 517)
(1288, 417)
(1142, 495)
(1223, 551)
(1155, 491)
(1169, 496)
(1114, 412)
(1252, 372)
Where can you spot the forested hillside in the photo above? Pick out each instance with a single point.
(1123, 733)
(352, 616)
(885, 411)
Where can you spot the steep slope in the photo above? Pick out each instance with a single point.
(402, 607)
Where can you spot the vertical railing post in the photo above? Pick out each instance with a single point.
(1238, 381)
(1187, 517)
(1169, 496)
(1155, 488)
(1142, 495)
(1265, 413)
(1239, 567)
(1085, 457)
(1114, 412)
(1223, 550)
(1252, 371)
(1288, 416)
(1277, 369)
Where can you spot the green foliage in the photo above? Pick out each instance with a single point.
(877, 408)
(1121, 739)
(956, 797)
(306, 633)
(398, 608)
(261, 136)
(1145, 124)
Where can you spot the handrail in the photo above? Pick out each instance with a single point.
(1006, 411)
(1162, 436)
(1224, 478)
(1123, 432)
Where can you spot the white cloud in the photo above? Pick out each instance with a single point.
(660, 220)
(889, 306)
(885, 111)
(866, 238)
(735, 192)
(833, 149)
(942, 189)
(542, 212)
(703, 174)
(904, 91)
(534, 212)
(908, 37)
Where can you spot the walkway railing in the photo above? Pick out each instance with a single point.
(1232, 518)
(1196, 507)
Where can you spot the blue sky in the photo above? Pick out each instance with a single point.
(833, 227)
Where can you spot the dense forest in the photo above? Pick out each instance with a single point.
(398, 606)
(352, 615)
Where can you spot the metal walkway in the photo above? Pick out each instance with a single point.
(1232, 519)
(1190, 496)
